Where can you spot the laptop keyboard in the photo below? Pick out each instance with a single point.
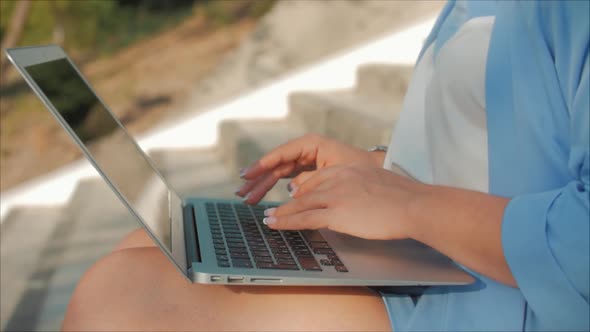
(241, 240)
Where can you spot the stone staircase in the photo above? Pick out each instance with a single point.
(45, 251)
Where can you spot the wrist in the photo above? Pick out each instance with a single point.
(377, 158)
(417, 210)
(377, 154)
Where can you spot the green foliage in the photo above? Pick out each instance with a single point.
(95, 26)
(6, 8)
(222, 12)
(103, 26)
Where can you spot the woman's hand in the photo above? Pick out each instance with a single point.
(302, 157)
(355, 199)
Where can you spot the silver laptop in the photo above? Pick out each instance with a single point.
(217, 241)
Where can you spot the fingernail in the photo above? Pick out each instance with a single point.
(245, 198)
(269, 220)
(293, 191)
(239, 189)
(243, 172)
(270, 212)
(289, 187)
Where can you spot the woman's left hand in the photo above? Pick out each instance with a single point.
(355, 199)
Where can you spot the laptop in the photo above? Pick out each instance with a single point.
(217, 241)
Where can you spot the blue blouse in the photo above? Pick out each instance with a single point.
(538, 118)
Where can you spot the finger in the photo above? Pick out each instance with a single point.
(315, 200)
(279, 172)
(302, 169)
(310, 219)
(261, 188)
(302, 177)
(316, 179)
(302, 151)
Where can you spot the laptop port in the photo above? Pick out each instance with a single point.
(215, 278)
(235, 279)
(266, 280)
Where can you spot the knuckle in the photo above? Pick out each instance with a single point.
(281, 210)
(307, 220)
(284, 222)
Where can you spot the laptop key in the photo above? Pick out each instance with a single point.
(243, 263)
(341, 268)
(309, 264)
(323, 251)
(234, 240)
(326, 262)
(239, 255)
(336, 261)
(263, 259)
(286, 262)
(277, 266)
(302, 252)
(319, 245)
(280, 251)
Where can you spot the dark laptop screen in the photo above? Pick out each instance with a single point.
(115, 154)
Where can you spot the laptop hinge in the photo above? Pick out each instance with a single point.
(191, 235)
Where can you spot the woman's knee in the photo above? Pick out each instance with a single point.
(136, 239)
(106, 293)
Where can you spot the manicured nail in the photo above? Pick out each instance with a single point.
(293, 191)
(239, 189)
(289, 187)
(243, 172)
(269, 220)
(245, 198)
(270, 212)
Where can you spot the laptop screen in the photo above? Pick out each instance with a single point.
(113, 151)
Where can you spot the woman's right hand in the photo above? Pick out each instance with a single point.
(301, 157)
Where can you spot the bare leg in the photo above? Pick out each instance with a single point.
(138, 289)
(136, 239)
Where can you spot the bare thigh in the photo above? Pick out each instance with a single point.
(136, 239)
(138, 289)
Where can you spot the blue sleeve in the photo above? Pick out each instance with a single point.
(546, 235)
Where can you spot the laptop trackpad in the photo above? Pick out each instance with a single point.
(397, 259)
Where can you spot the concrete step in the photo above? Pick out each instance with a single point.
(386, 82)
(243, 142)
(345, 115)
(196, 172)
(23, 239)
(94, 222)
(88, 228)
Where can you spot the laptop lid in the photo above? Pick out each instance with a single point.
(117, 157)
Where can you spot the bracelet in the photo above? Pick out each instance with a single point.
(395, 167)
(381, 148)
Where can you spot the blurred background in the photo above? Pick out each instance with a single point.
(150, 59)
(279, 68)
(142, 56)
